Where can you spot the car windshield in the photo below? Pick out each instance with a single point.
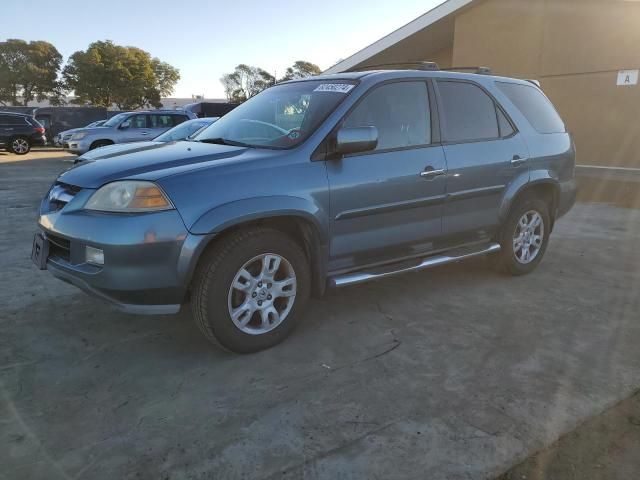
(281, 117)
(182, 131)
(116, 120)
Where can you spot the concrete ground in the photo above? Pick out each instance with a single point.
(604, 448)
(453, 373)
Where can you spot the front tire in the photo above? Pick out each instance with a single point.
(250, 289)
(20, 146)
(524, 237)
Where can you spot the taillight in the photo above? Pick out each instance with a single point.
(39, 130)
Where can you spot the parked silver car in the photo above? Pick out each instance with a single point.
(124, 128)
(184, 131)
(62, 137)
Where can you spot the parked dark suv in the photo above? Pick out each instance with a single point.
(323, 182)
(19, 132)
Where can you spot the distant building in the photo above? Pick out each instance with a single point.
(586, 54)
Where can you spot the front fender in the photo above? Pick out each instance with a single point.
(241, 211)
(522, 182)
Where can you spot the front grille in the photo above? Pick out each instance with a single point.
(61, 194)
(59, 247)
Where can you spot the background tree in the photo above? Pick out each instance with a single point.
(245, 82)
(301, 69)
(107, 74)
(29, 71)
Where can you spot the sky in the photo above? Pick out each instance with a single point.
(206, 39)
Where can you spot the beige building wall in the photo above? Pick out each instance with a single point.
(576, 48)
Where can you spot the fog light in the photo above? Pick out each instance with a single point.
(94, 256)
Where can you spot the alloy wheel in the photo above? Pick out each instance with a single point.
(528, 237)
(20, 146)
(262, 294)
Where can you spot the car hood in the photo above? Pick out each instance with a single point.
(91, 130)
(111, 151)
(156, 161)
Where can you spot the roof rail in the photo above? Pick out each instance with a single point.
(478, 70)
(428, 66)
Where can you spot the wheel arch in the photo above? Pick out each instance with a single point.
(108, 141)
(304, 226)
(541, 185)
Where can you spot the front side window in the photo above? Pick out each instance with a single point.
(282, 116)
(533, 104)
(139, 121)
(400, 113)
(469, 113)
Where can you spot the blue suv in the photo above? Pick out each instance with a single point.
(323, 182)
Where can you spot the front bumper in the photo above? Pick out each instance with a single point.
(148, 258)
(77, 146)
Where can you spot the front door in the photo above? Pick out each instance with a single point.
(484, 155)
(138, 129)
(387, 203)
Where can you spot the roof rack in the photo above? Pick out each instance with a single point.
(427, 66)
(478, 70)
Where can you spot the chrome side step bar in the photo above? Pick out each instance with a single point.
(428, 262)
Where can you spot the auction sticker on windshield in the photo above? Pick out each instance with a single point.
(334, 87)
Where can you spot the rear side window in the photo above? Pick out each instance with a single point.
(400, 112)
(469, 113)
(161, 121)
(12, 120)
(178, 119)
(535, 106)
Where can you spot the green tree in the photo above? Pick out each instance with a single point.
(301, 69)
(29, 71)
(107, 74)
(245, 82)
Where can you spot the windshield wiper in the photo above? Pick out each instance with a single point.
(224, 141)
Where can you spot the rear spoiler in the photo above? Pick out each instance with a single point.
(535, 82)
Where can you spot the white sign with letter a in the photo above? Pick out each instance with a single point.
(627, 78)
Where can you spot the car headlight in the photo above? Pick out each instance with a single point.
(129, 196)
(78, 136)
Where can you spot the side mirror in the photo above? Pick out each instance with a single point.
(356, 140)
(124, 125)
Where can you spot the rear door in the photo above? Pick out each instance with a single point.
(484, 152)
(387, 203)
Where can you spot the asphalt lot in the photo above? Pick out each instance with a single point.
(455, 373)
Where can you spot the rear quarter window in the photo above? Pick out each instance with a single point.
(535, 106)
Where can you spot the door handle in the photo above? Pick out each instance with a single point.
(429, 173)
(518, 160)
(144, 133)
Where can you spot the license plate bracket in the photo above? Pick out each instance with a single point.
(40, 251)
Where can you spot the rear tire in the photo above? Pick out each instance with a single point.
(100, 143)
(235, 276)
(19, 146)
(524, 237)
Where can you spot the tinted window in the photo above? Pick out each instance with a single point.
(533, 104)
(506, 129)
(161, 121)
(469, 113)
(400, 112)
(178, 119)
